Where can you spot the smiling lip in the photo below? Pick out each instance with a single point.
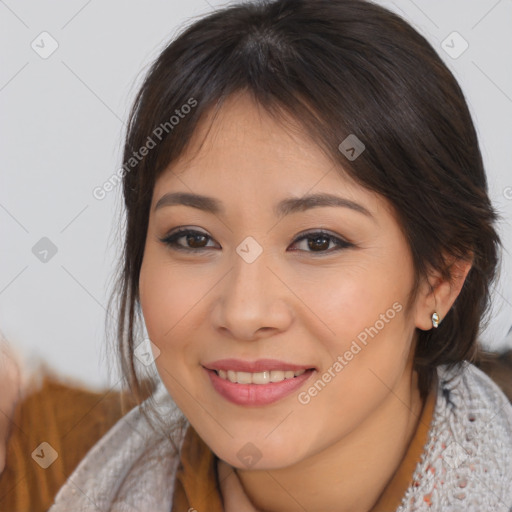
(255, 394)
(260, 365)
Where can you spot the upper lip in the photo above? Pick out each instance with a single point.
(259, 365)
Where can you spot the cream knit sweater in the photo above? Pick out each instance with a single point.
(466, 465)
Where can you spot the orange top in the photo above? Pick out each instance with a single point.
(197, 481)
(70, 419)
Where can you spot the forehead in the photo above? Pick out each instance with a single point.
(239, 131)
(243, 154)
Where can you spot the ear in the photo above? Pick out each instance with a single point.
(437, 293)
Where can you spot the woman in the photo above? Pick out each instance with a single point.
(310, 243)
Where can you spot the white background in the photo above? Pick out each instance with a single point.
(62, 123)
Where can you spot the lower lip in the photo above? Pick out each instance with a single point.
(256, 394)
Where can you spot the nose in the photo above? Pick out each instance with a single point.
(252, 301)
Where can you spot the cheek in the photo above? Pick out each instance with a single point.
(169, 302)
(166, 297)
(174, 307)
(368, 352)
(348, 300)
(362, 319)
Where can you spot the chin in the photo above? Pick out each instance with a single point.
(255, 456)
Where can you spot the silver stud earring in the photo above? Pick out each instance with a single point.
(435, 320)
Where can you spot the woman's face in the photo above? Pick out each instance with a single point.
(248, 292)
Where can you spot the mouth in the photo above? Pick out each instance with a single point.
(257, 366)
(258, 378)
(257, 383)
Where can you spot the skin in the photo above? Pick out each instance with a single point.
(303, 306)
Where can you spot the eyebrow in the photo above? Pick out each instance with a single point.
(283, 208)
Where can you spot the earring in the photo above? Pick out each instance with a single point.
(435, 320)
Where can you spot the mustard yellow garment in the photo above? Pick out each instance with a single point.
(67, 417)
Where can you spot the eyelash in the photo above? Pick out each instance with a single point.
(171, 241)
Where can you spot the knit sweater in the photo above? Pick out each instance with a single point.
(466, 463)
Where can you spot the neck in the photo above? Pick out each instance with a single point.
(351, 474)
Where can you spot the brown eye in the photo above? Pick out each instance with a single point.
(321, 243)
(196, 240)
(193, 240)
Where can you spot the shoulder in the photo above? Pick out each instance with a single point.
(466, 391)
(467, 461)
(133, 464)
(474, 413)
(56, 420)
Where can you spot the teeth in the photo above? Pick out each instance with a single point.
(258, 377)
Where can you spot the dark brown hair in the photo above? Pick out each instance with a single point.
(337, 67)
